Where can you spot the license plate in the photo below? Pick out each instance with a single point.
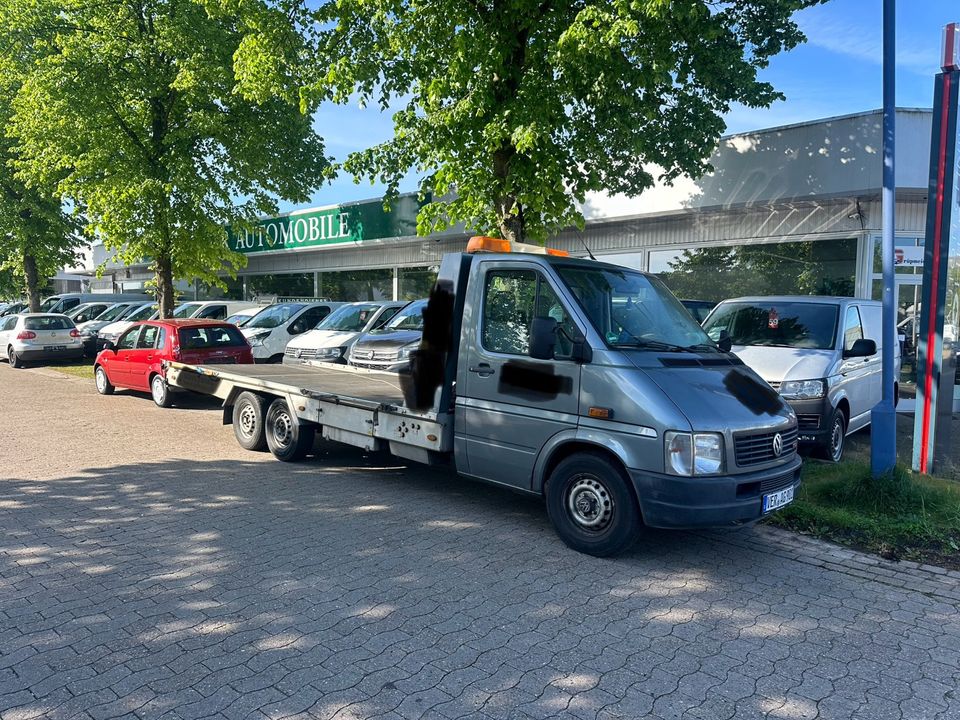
(777, 499)
(55, 348)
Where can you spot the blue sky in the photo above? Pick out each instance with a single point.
(836, 72)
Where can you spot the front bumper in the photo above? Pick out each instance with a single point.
(813, 418)
(668, 501)
(28, 354)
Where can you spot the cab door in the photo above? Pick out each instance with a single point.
(511, 403)
(856, 372)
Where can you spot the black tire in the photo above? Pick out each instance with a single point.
(591, 505)
(288, 440)
(248, 422)
(102, 381)
(831, 449)
(276, 359)
(159, 391)
(13, 358)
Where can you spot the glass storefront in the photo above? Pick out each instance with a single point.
(354, 285)
(819, 267)
(285, 285)
(416, 282)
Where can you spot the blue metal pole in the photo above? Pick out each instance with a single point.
(883, 445)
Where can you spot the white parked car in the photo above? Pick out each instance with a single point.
(331, 340)
(242, 317)
(276, 325)
(110, 333)
(38, 336)
(212, 309)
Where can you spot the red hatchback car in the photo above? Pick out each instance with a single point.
(134, 362)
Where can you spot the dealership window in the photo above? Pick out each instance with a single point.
(415, 283)
(715, 273)
(287, 285)
(232, 291)
(356, 285)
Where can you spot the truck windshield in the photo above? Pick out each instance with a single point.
(274, 316)
(630, 309)
(349, 318)
(776, 324)
(410, 318)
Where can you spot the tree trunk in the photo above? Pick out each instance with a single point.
(165, 290)
(509, 211)
(33, 289)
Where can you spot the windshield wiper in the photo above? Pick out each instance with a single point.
(660, 345)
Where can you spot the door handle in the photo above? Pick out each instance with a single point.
(483, 369)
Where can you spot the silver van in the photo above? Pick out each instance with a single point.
(822, 354)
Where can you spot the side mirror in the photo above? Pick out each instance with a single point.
(725, 342)
(861, 348)
(543, 338)
(108, 345)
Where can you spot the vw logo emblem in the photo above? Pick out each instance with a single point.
(777, 445)
(299, 353)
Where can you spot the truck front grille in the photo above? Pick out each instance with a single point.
(758, 448)
(300, 353)
(774, 384)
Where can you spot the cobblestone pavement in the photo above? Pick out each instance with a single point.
(150, 568)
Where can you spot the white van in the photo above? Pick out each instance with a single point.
(272, 328)
(331, 340)
(821, 354)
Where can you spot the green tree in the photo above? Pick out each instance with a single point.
(514, 109)
(133, 112)
(38, 236)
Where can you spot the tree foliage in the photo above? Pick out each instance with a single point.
(515, 109)
(38, 236)
(133, 112)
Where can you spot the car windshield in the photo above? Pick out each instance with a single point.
(114, 312)
(776, 324)
(216, 336)
(409, 318)
(142, 313)
(186, 310)
(48, 303)
(239, 319)
(630, 309)
(52, 322)
(274, 316)
(349, 318)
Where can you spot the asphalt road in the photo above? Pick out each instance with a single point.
(149, 567)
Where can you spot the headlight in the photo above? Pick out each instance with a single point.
(802, 389)
(693, 454)
(405, 351)
(329, 352)
(259, 338)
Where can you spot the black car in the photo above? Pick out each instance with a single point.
(389, 347)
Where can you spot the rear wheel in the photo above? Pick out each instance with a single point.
(104, 386)
(248, 421)
(287, 439)
(160, 392)
(14, 359)
(591, 506)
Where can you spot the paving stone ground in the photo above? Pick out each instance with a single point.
(151, 568)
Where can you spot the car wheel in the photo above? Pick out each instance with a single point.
(104, 386)
(160, 392)
(248, 421)
(831, 449)
(288, 440)
(591, 505)
(14, 359)
(276, 359)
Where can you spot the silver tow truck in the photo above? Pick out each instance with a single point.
(582, 382)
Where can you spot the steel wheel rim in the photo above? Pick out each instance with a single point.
(248, 420)
(282, 427)
(836, 440)
(589, 503)
(158, 390)
(101, 380)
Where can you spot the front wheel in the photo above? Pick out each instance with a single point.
(248, 422)
(832, 448)
(104, 386)
(288, 440)
(591, 506)
(160, 392)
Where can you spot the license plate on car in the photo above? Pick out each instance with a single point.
(777, 499)
(55, 348)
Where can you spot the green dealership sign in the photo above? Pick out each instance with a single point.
(331, 226)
